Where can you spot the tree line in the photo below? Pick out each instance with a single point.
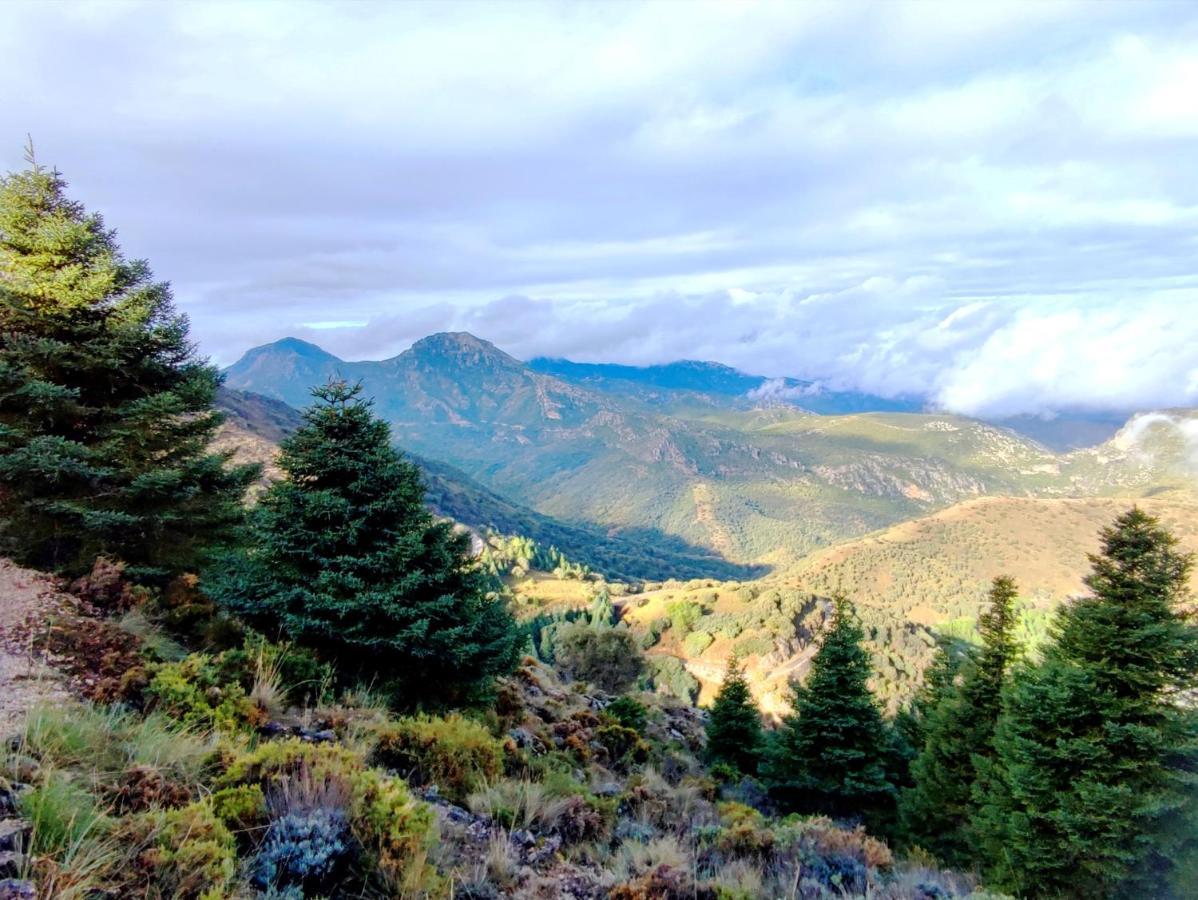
(1074, 774)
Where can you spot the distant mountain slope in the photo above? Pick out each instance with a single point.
(691, 380)
(937, 568)
(755, 483)
(255, 424)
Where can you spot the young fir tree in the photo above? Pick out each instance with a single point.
(106, 412)
(344, 557)
(734, 725)
(911, 723)
(958, 733)
(1095, 750)
(830, 754)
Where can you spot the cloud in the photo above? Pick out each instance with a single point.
(1149, 434)
(993, 206)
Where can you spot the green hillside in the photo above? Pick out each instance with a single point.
(765, 485)
(255, 424)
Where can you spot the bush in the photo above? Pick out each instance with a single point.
(696, 642)
(303, 849)
(671, 677)
(629, 712)
(455, 754)
(241, 808)
(393, 830)
(197, 692)
(684, 615)
(623, 744)
(187, 854)
(609, 658)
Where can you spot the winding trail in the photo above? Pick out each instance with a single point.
(25, 596)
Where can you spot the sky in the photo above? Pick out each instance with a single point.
(992, 205)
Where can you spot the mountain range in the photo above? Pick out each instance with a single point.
(698, 452)
(698, 484)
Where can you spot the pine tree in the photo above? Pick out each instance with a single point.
(106, 412)
(958, 735)
(734, 724)
(1095, 753)
(343, 557)
(829, 754)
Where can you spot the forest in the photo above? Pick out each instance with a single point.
(319, 689)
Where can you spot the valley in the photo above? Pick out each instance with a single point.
(682, 488)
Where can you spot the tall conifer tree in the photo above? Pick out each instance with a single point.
(344, 557)
(829, 755)
(1095, 750)
(958, 734)
(106, 412)
(734, 725)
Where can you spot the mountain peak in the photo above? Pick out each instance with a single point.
(461, 348)
(292, 345)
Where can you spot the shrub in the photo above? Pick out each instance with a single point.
(241, 807)
(696, 642)
(607, 657)
(684, 615)
(393, 830)
(671, 677)
(623, 744)
(199, 692)
(303, 849)
(187, 853)
(629, 712)
(454, 753)
(743, 831)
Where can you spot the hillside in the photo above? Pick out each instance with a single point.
(642, 452)
(255, 424)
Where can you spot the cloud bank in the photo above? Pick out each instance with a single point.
(991, 205)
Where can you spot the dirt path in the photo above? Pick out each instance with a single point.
(25, 595)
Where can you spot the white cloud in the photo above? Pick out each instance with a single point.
(990, 204)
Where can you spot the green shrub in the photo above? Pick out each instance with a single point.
(696, 642)
(454, 753)
(684, 615)
(241, 807)
(201, 691)
(623, 744)
(629, 712)
(671, 677)
(609, 658)
(190, 854)
(394, 829)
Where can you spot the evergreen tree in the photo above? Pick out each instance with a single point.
(1094, 751)
(958, 734)
(344, 557)
(829, 754)
(911, 724)
(106, 412)
(734, 725)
